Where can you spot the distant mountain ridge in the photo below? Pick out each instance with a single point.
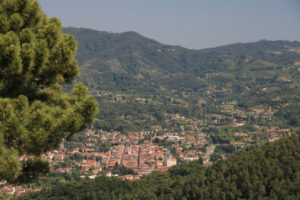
(95, 43)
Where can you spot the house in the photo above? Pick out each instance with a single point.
(241, 134)
(238, 124)
(127, 177)
(108, 174)
(273, 139)
(170, 161)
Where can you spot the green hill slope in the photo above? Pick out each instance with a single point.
(131, 56)
(122, 67)
(269, 172)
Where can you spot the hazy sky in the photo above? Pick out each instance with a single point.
(189, 23)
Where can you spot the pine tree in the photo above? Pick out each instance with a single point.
(35, 115)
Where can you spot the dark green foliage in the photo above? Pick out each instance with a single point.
(164, 142)
(104, 147)
(32, 169)
(219, 140)
(122, 170)
(268, 172)
(35, 115)
(290, 114)
(76, 156)
(225, 148)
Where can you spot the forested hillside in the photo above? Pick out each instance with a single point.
(269, 172)
(129, 59)
(139, 81)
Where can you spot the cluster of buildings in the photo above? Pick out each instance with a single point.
(275, 134)
(135, 150)
(142, 158)
(144, 152)
(15, 190)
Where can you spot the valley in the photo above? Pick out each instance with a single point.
(163, 105)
